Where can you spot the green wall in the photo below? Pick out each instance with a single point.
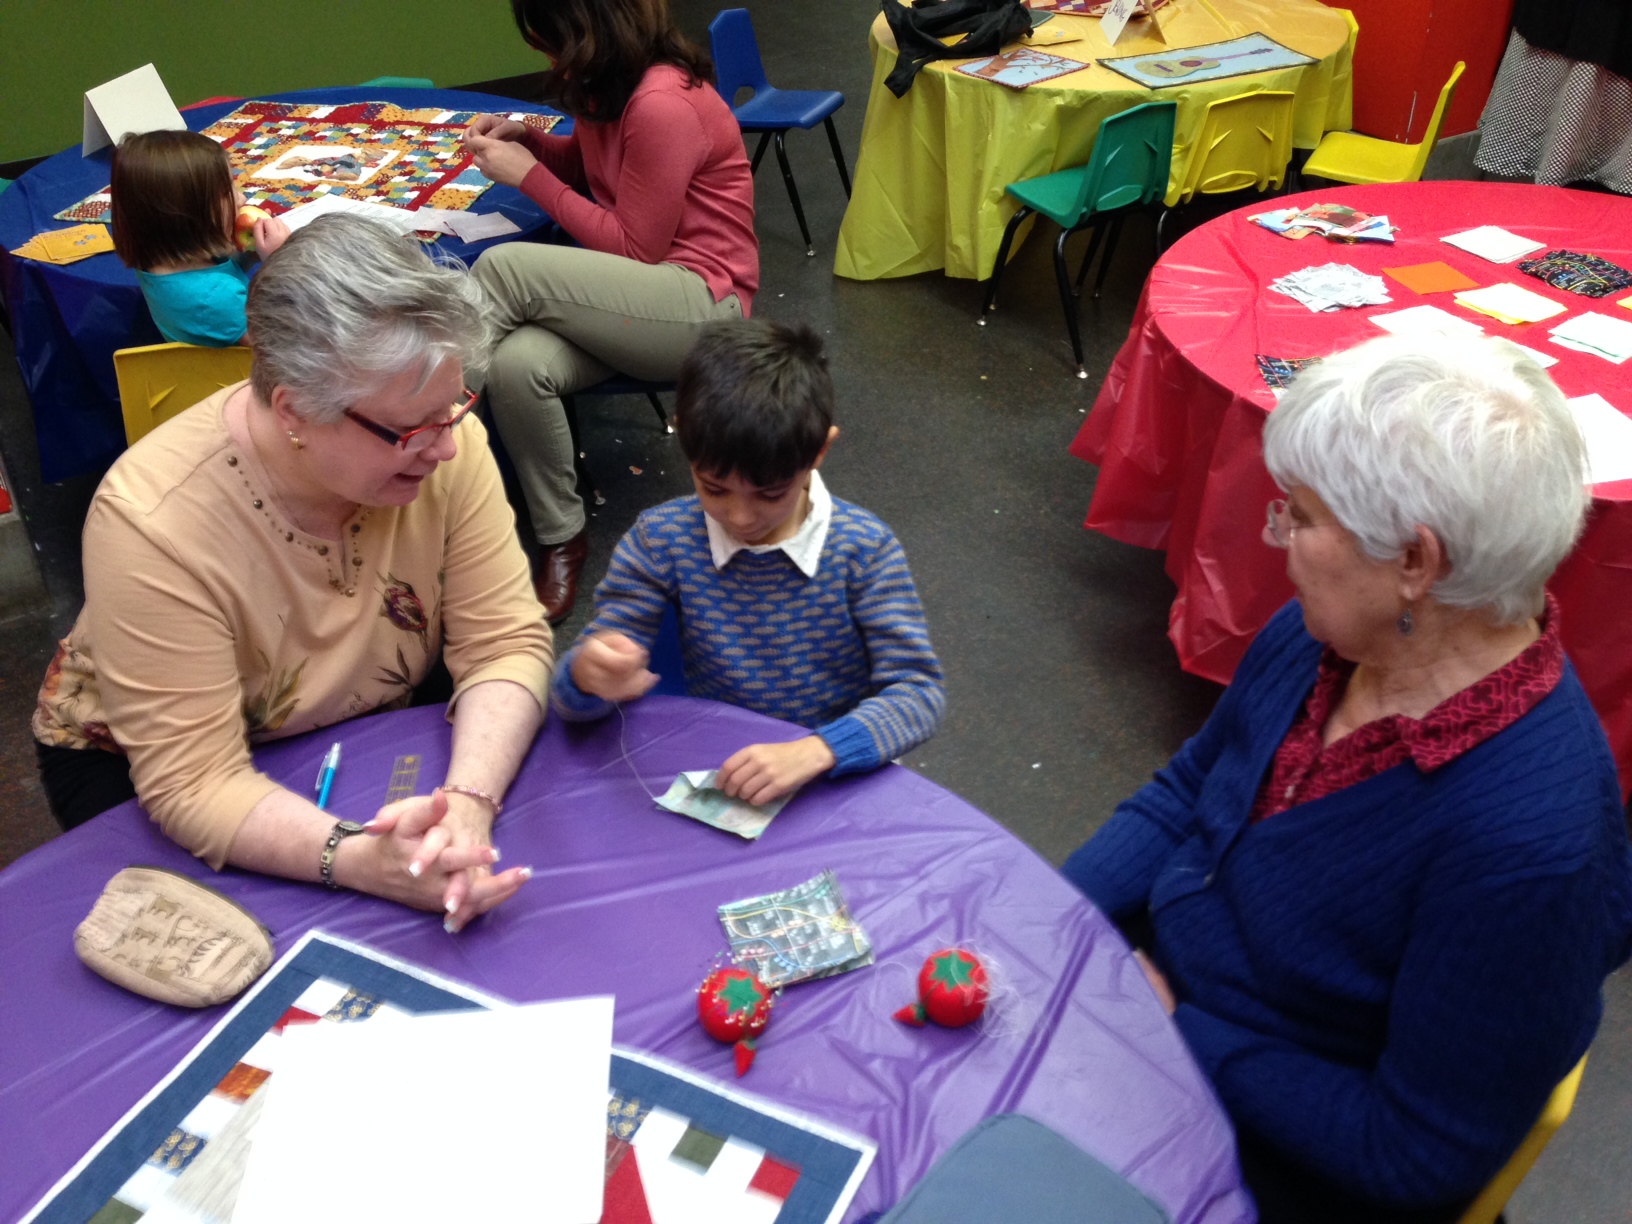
(52, 51)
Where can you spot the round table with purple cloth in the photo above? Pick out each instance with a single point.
(623, 902)
(67, 321)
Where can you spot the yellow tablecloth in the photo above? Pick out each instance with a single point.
(929, 181)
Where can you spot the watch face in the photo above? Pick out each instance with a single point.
(347, 827)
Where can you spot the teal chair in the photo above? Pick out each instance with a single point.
(1132, 154)
(393, 82)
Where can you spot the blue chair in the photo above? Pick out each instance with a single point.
(770, 111)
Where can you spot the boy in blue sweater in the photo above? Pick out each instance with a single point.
(790, 602)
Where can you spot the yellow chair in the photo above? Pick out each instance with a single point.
(1245, 141)
(1348, 157)
(159, 380)
(1487, 1208)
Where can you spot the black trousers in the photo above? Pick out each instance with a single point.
(84, 782)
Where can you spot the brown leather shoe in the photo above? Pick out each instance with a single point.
(555, 581)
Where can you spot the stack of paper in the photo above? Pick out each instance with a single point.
(1510, 304)
(1426, 321)
(1493, 243)
(1332, 286)
(1597, 334)
(67, 246)
(533, 1150)
(1608, 434)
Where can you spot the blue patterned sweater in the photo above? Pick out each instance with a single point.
(845, 653)
(1387, 982)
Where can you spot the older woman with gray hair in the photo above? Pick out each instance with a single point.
(1380, 889)
(297, 550)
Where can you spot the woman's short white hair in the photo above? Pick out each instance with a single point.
(1465, 436)
(345, 303)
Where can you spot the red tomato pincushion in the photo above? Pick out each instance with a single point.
(952, 990)
(734, 1006)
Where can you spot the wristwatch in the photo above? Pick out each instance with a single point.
(342, 830)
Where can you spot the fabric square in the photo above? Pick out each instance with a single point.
(1574, 272)
(624, 1116)
(354, 1005)
(240, 1083)
(698, 1147)
(115, 1212)
(774, 1178)
(294, 1015)
(178, 1150)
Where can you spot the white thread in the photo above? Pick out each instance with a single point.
(623, 747)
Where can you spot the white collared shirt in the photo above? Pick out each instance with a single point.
(804, 547)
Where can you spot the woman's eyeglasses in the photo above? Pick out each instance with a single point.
(415, 439)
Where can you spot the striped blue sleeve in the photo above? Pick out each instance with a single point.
(908, 698)
(629, 600)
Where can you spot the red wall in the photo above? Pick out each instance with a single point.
(1407, 49)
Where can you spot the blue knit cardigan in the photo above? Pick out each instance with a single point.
(846, 652)
(1387, 982)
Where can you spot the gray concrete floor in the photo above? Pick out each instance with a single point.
(1065, 693)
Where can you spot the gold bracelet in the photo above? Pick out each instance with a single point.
(473, 792)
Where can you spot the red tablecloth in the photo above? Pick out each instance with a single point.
(1177, 428)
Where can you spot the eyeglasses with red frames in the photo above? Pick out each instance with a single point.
(415, 439)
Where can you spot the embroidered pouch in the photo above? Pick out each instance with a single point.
(1576, 273)
(168, 937)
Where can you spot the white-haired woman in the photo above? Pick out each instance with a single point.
(1381, 888)
(295, 551)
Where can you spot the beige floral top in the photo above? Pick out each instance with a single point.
(210, 624)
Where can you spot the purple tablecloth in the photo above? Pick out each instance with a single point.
(68, 321)
(623, 903)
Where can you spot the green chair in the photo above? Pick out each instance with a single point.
(1128, 169)
(393, 82)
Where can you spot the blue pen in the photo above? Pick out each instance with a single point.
(325, 775)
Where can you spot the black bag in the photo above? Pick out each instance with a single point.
(918, 30)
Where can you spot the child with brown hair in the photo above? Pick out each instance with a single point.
(174, 208)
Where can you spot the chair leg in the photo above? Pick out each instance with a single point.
(657, 407)
(838, 155)
(1068, 303)
(990, 302)
(1161, 221)
(759, 152)
(793, 191)
(1088, 258)
(1110, 250)
(580, 463)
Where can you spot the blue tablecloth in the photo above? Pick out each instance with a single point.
(67, 321)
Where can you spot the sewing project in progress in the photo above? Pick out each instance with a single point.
(797, 934)
(677, 1146)
(1212, 62)
(284, 155)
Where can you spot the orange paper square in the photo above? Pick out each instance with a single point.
(1433, 277)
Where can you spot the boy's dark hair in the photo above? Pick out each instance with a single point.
(600, 49)
(754, 400)
(171, 199)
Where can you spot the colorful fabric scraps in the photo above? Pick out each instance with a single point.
(1574, 272)
(284, 154)
(1278, 372)
(1338, 222)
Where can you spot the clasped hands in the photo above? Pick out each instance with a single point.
(613, 667)
(431, 852)
(495, 147)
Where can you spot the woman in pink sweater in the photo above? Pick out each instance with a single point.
(655, 186)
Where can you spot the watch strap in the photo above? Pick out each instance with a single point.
(325, 863)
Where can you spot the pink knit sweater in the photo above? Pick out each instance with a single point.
(668, 182)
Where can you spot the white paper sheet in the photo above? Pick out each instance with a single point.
(1544, 360)
(481, 1115)
(1494, 243)
(1595, 333)
(474, 227)
(1429, 320)
(135, 102)
(400, 220)
(1608, 432)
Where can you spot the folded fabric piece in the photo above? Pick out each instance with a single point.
(1574, 272)
(989, 24)
(1510, 303)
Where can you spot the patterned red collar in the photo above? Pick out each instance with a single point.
(1305, 769)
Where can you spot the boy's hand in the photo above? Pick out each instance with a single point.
(762, 772)
(612, 667)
